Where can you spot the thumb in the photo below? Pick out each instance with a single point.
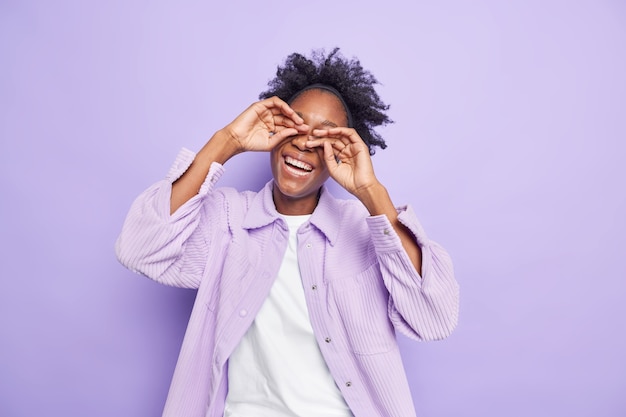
(329, 156)
(283, 134)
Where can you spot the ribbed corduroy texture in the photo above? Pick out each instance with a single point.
(359, 286)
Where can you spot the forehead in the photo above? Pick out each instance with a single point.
(320, 103)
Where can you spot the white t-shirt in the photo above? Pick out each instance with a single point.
(277, 370)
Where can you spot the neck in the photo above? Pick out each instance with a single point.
(295, 206)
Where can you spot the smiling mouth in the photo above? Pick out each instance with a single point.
(297, 167)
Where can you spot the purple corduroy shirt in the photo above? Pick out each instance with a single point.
(360, 286)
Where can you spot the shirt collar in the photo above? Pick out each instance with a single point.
(262, 212)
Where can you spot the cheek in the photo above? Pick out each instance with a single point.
(274, 156)
(322, 162)
(320, 155)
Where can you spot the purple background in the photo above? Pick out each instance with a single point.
(509, 142)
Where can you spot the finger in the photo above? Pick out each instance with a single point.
(278, 106)
(314, 141)
(282, 120)
(347, 134)
(299, 129)
(329, 157)
(279, 122)
(336, 147)
(282, 134)
(337, 144)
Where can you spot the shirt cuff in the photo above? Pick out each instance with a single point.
(183, 161)
(407, 217)
(384, 236)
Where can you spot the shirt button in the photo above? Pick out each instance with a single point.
(327, 340)
(308, 245)
(386, 232)
(314, 287)
(243, 313)
(348, 384)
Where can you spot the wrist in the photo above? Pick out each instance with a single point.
(221, 147)
(375, 198)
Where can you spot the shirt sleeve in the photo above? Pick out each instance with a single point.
(169, 249)
(426, 306)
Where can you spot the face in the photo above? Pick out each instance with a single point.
(298, 171)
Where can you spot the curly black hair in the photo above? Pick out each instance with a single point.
(355, 84)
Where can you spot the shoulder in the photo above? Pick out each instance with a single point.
(245, 209)
(349, 209)
(230, 199)
(340, 218)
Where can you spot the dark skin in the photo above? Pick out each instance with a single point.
(308, 142)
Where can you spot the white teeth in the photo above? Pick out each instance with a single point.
(299, 164)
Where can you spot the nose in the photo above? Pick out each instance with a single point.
(299, 141)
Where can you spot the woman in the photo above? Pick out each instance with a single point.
(299, 293)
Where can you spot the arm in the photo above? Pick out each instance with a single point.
(259, 128)
(170, 249)
(349, 163)
(377, 201)
(161, 237)
(418, 273)
(422, 306)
